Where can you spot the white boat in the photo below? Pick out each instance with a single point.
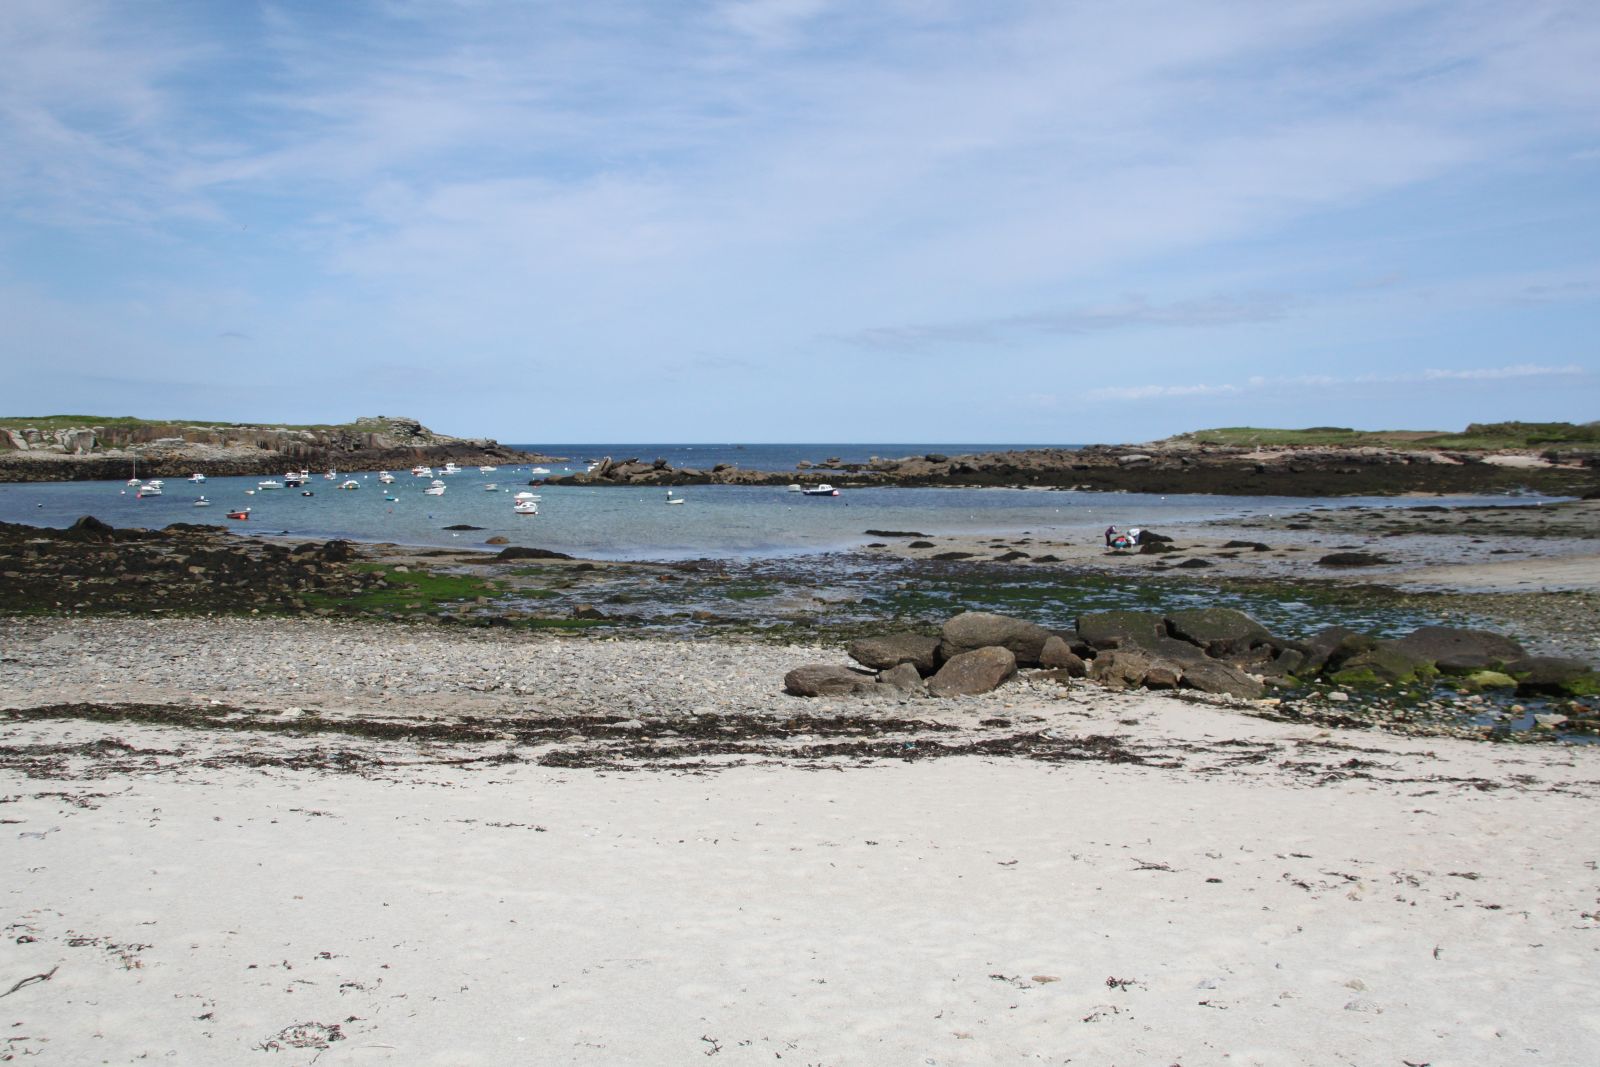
(527, 496)
(487, 469)
(673, 499)
(291, 480)
(197, 477)
(451, 468)
(821, 490)
(331, 475)
(422, 472)
(202, 502)
(385, 477)
(491, 487)
(149, 489)
(525, 507)
(350, 483)
(796, 487)
(270, 483)
(436, 484)
(434, 490)
(546, 470)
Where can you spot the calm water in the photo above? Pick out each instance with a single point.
(624, 523)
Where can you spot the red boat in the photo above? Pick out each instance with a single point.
(245, 514)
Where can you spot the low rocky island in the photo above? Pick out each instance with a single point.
(86, 448)
(1554, 458)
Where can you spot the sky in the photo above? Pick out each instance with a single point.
(802, 220)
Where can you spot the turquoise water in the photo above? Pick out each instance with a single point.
(628, 523)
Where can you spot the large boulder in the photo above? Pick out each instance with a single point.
(1555, 675)
(1058, 655)
(881, 653)
(975, 630)
(1121, 629)
(978, 671)
(1219, 631)
(1460, 651)
(1385, 661)
(903, 676)
(1214, 677)
(826, 680)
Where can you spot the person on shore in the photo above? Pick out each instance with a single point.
(1111, 531)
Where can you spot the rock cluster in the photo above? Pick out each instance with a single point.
(182, 568)
(1213, 650)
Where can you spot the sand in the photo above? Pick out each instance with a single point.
(1254, 893)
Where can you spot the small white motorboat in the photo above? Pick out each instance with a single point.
(525, 507)
(487, 469)
(422, 472)
(545, 470)
(796, 487)
(331, 475)
(434, 490)
(525, 495)
(149, 489)
(197, 477)
(821, 490)
(673, 499)
(270, 483)
(292, 480)
(491, 487)
(350, 483)
(385, 477)
(202, 502)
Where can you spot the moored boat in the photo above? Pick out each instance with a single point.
(270, 483)
(434, 490)
(821, 490)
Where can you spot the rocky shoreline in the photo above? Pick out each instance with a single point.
(114, 451)
(1173, 466)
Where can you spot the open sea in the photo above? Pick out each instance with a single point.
(715, 522)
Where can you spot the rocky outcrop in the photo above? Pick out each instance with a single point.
(979, 629)
(112, 450)
(970, 673)
(1172, 466)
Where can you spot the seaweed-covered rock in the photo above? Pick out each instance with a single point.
(1353, 559)
(1385, 661)
(1556, 675)
(1219, 631)
(978, 671)
(882, 653)
(974, 630)
(1458, 651)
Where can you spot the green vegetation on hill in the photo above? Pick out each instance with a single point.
(1477, 436)
(72, 422)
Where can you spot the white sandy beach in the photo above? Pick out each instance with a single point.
(1254, 893)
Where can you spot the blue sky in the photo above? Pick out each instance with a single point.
(803, 220)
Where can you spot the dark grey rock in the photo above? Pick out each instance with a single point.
(881, 653)
(826, 679)
(1219, 631)
(979, 671)
(980, 629)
